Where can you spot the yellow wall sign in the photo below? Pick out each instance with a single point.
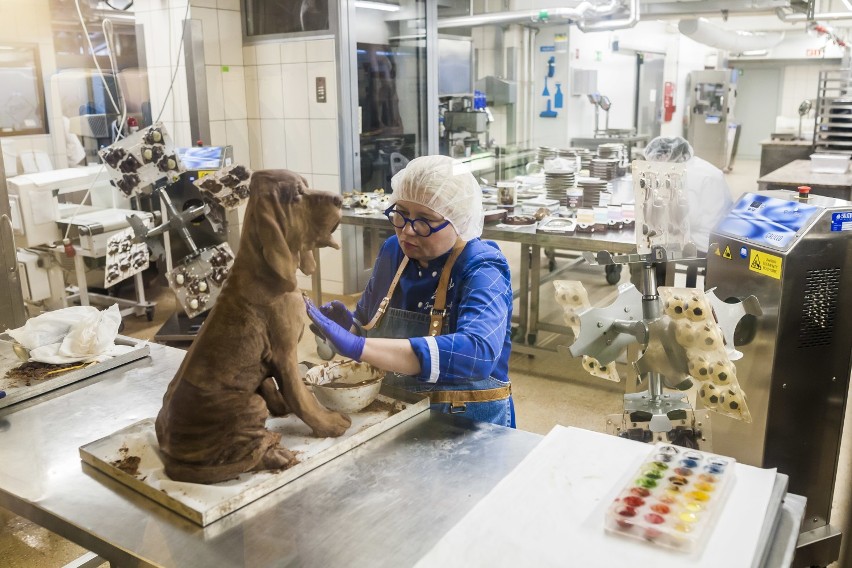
(764, 263)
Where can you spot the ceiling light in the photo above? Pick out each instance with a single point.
(848, 4)
(371, 5)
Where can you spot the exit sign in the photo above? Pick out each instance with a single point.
(814, 52)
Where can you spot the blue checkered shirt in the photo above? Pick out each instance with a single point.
(479, 301)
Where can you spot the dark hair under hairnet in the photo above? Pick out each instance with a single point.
(668, 149)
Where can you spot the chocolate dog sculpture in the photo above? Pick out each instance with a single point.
(243, 364)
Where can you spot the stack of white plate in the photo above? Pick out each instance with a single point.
(545, 153)
(612, 150)
(604, 168)
(592, 189)
(557, 183)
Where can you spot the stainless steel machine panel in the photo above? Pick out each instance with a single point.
(796, 257)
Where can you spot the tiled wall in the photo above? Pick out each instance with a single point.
(261, 97)
(288, 128)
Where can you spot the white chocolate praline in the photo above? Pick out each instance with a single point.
(709, 394)
(686, 332)
(202, 286)
(193, 303)
(180, 279)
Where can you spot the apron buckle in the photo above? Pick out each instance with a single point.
(457, 408)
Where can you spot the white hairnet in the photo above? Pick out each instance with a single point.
(446, 187)
(668, 149)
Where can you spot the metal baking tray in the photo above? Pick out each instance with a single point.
(116, 456)
(17, 390)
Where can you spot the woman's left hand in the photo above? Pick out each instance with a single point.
(345, 343)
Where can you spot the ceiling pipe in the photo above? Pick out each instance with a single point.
(702, 31)
(785, 16)
(580, 11)
(606, 25)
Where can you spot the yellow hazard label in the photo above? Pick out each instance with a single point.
(765, 263)
(202, 173)
(717, 252)
(727, 253)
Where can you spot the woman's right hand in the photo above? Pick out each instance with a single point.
(338, 313)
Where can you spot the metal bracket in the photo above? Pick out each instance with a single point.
(658, 254)
(729, 315)
(602, 330)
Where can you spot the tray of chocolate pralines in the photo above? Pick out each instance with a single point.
(227, 187)
(142, 159)
(674, 498)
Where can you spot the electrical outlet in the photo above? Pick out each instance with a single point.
(321, 90)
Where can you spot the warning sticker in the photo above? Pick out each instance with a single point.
(765, 263)
(727, 253)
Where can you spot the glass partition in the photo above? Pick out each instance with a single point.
(22, 108)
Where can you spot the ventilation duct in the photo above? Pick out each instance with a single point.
(583, 13)
(702, 31)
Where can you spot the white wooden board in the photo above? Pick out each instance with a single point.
(204, 504)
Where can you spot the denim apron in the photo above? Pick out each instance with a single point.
(463, 399)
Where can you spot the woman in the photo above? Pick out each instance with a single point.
(437, 309)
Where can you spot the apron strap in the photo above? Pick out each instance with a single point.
(383, 305)
(436, 324)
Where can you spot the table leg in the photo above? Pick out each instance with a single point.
(316, 279)
(535, 293)
(523, 298)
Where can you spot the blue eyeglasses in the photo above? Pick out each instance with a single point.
(421, 227)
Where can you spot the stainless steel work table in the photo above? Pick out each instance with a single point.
(385, 503)
(798, 172)
(530, 275)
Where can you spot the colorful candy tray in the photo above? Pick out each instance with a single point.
(674, 498)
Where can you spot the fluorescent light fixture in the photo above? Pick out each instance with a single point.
(371, 5)
(848, 4)
(755, 53)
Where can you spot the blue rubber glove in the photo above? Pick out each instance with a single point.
(345, 343)
(338, 313)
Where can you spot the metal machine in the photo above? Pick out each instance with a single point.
(795, 254)
(710, 126)
(44, 208)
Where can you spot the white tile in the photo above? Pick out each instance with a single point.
(270, 91)
(230, 37)
(324, 147)
(158, 39)
(273, 143)
(327, 109)
(234, 89)
(309, 178)
(252, 104)
(202, 4)
(182, 134)
(255, 144)
(267, 53)
(180, 98)
(249, 55)
(327, 183)
(209, 33)
(331, 259)
(229, 5)
(238, 137)
(320, 50)
(294, 77)
(218, 134)
(297, 136)
(293, 52)
(215, 96)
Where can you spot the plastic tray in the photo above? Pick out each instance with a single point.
(674, 498)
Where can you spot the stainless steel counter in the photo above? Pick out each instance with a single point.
(385, 503)
(798, 172)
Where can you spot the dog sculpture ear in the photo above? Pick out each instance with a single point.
(277, 192)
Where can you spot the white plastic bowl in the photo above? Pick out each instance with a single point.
(346, 387)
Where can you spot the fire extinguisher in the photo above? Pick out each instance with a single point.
(669, 107)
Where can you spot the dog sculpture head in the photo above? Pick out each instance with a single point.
(285, 221)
